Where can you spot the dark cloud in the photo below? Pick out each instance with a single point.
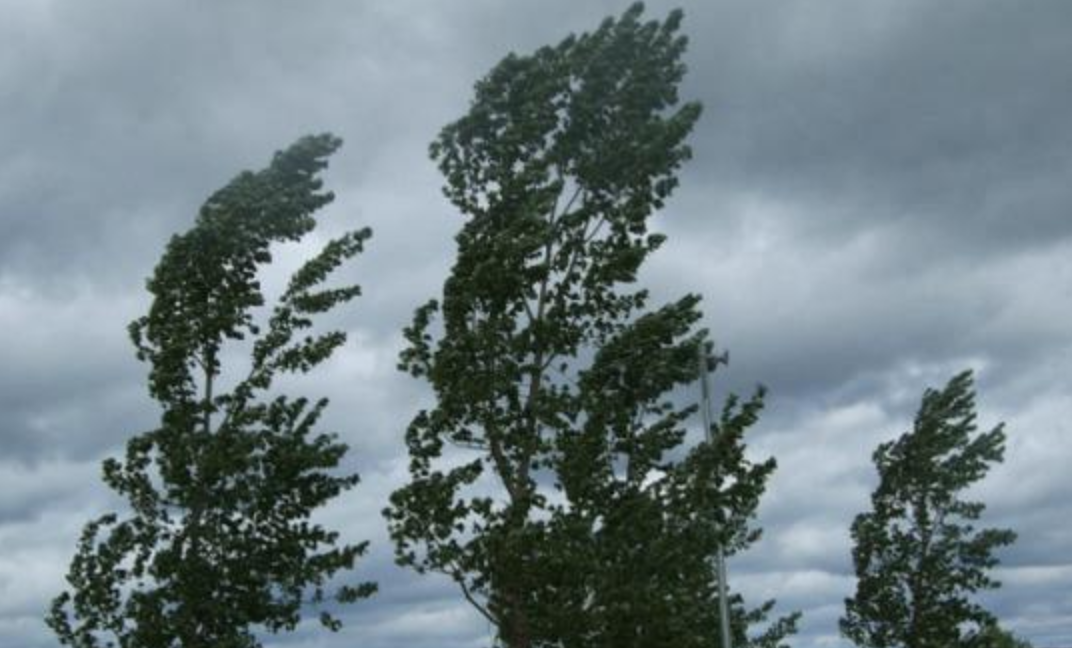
(945, 122)
(878, 199)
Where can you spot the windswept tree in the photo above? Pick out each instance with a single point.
(918, 554)
(217, 544)
(549, 480)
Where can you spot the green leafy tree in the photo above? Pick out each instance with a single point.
(218, 543)
(549, 481)
(918, 555)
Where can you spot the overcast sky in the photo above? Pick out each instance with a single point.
(880, 197)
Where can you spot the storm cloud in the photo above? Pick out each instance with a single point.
(879, 198)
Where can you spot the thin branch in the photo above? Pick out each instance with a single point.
(502, 464)
(455, 572)
(569, 203)
(475, 444)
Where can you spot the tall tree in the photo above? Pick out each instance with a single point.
(217, 543)
(918, 555)
(549, 481)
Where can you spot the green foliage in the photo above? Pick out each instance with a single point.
(549, 480)
(218, 542)
(993, 636)
(918, 555)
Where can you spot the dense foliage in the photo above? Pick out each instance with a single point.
(918, 555)
(217, 542)
(550, 481)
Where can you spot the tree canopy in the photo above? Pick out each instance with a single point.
(217, 542)
(550, 480)
(918, 555)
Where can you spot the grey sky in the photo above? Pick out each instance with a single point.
(879, 198)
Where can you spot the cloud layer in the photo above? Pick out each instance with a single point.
(879, 198)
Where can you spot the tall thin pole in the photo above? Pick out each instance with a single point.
(720, 557)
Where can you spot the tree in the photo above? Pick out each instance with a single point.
(994, 636)
(549, 480)
(217, 543)
(918, 555)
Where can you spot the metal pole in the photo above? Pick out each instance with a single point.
(720, 558)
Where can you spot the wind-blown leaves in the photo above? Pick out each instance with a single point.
(217, 543)
(918, 555)
(547, 481)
